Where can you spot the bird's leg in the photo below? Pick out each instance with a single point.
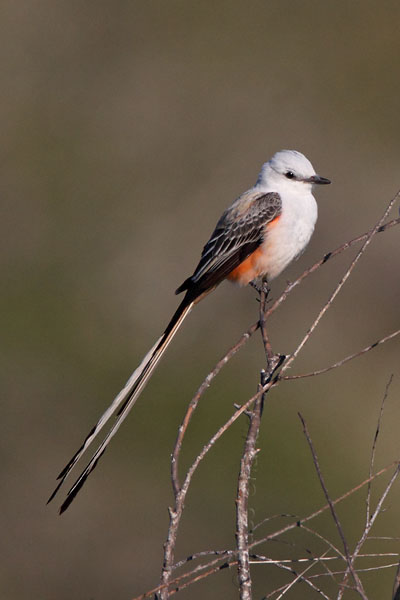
(256, 285)
(261, 285)
(264, 291)
(265, 287)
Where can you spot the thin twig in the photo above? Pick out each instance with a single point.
(396, 585)
(372, 461)
(360, 238)
(344, 360)
(273, 517)
(330, 545)
(176, 580)
(299, 523)
(325, 540)
(341, 283)
(241, 410)
(370, 520)
(203, 576)
(176, 512)
(370, 523)
(324, 508)
(362, 570)
(221, 553)
(179, 493)
(271, 537)
(298, 577)
(259, 559)
(384, 537)
(281, 565)
(196, 398)
(335, 517)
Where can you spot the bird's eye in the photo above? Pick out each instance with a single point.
(289, 175)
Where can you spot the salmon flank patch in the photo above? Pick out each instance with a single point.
(273, 222)
(247, 270)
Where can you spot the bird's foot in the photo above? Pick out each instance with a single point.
(255, 284)
(261, 285)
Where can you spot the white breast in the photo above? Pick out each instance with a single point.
(287, 239)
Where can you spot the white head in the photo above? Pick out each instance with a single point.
(289, 170)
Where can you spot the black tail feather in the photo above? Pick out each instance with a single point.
(121, 405)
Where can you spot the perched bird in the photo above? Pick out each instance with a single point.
(254, 240)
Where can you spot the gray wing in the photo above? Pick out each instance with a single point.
(237, 235)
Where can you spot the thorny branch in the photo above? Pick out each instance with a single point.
(180, 490)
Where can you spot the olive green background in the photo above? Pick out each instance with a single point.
(126, 129)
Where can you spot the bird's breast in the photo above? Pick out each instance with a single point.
(286, 238)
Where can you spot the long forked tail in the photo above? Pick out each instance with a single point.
(121, 405)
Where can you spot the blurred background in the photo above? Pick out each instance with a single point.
(127, 128)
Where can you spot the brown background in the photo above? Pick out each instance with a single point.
(127, 128)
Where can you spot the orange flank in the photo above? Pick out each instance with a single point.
(249, 269)
(273, 222)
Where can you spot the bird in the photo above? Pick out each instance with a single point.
(255, 239)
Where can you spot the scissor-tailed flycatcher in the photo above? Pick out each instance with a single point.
(254, 240)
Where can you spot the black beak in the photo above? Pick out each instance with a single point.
(318, 180)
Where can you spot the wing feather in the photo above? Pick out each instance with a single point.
(237, 235)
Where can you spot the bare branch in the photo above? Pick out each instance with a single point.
(259, 559)
(203, 576)
(341, 283)
(298, 577)
(371, 519)
(372, 461)
(221, 553)
(325, 259)
(371, 522)
(242, 522)
(176, 513)
(396, 585)
(196, 398)
(211, 570)
(321, 510)
(324, 539)
(364, 570)
(301, 577)
(335, 517)
(344, 360)
(384, 537)
(271, 537)
(267, 519)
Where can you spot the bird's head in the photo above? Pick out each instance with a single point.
(289, 170)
